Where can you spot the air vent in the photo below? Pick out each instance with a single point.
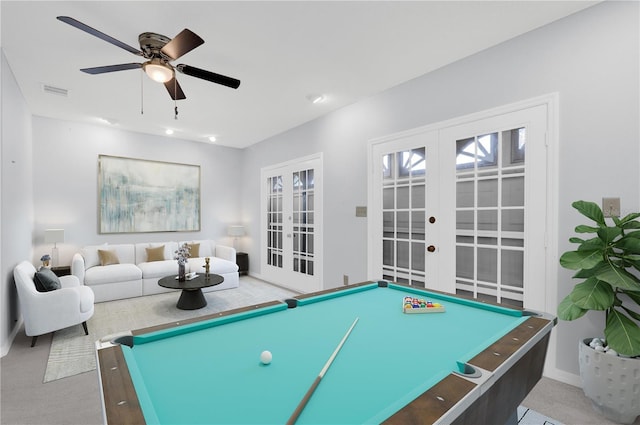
(54, 90)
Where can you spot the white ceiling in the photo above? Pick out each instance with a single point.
(281, 51)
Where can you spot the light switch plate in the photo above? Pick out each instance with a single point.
(611, 207)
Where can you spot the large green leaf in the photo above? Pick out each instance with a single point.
(590, 210)
(635, 296)
(586, 229)
(591, 244)
(630, 244)
(575, 260)
(632, 313)
(567, 310)
(592, 294)
(619, 278)
(622, 334)
(629, 218)
(609, 234)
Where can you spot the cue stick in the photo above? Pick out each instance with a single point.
(307, 396)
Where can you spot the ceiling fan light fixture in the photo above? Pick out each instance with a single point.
(158, 70)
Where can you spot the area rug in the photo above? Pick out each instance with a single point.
(73, 352)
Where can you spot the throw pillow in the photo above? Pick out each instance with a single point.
(46, 280)
(155, 253)
(108, 257)
(194, 250)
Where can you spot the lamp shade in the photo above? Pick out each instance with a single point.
(53, 235)
(235, 230)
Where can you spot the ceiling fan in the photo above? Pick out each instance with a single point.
(159, 51)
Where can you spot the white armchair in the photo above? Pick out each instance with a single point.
(45, 312)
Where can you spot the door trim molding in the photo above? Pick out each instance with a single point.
(551, 101)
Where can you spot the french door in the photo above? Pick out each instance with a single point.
(462, 208)
(291, 206)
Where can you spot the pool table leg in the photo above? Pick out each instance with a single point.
(191, 299)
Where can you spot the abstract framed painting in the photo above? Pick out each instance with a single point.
(139, 195)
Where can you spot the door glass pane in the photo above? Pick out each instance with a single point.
(274, 221)
(403, 216)
(490, 200)
(302, 211)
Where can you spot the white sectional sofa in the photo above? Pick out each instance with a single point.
(130, 273)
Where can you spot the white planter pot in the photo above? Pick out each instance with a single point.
(611, 382)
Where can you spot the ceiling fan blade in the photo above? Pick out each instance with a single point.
(174, 89)
(209, 76)
(111, 68)
(99, 34)
(182, 43)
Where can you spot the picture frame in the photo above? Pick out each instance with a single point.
(141, 196)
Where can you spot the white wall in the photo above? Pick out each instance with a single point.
(16, 206)
(65, 175)
(591, 59)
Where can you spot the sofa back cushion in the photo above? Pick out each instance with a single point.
(205, 248)
(143, 257)
(108, 256)
(155, 253)
(90, 255)
(124, 252)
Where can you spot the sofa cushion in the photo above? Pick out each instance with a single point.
(108, 257)
(141, 250)
(153, 269)
(46, 280)
(204, 250)
(155, 253)
(90, 255)
(194, 249)
(216, 265)
(113, 273)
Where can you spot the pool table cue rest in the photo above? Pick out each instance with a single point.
(313, 387)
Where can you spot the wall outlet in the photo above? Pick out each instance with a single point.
(345, 280)
(611, 207)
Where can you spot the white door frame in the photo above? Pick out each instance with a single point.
(551, 101)
(306, 283)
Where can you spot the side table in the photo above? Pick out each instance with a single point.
(242, 260)
(61, 270)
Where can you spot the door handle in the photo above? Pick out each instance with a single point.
(431, 248)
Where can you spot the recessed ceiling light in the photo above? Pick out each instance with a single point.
(212, 138)
(316, 98)
(168, 131)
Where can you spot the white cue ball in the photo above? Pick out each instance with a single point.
(265, 357)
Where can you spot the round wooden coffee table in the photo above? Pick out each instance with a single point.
(191, 297)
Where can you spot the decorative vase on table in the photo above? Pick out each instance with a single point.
(181, 272)
(181, 254)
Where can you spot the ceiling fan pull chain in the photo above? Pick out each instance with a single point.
(175, 100)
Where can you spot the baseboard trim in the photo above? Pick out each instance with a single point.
(6, 346)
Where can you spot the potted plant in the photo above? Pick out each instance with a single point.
(607, 263)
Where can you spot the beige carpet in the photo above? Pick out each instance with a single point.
(73, 352)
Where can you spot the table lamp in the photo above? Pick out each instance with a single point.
(236, 231)
(54, 236)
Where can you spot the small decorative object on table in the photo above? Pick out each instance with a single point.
(45, 260)
(206, 267)
(418, 305)
(181, 255)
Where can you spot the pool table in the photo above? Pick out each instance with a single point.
(474, 362)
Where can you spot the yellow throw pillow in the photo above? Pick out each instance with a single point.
(108, 257)
(155, 253)
(194, 250)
